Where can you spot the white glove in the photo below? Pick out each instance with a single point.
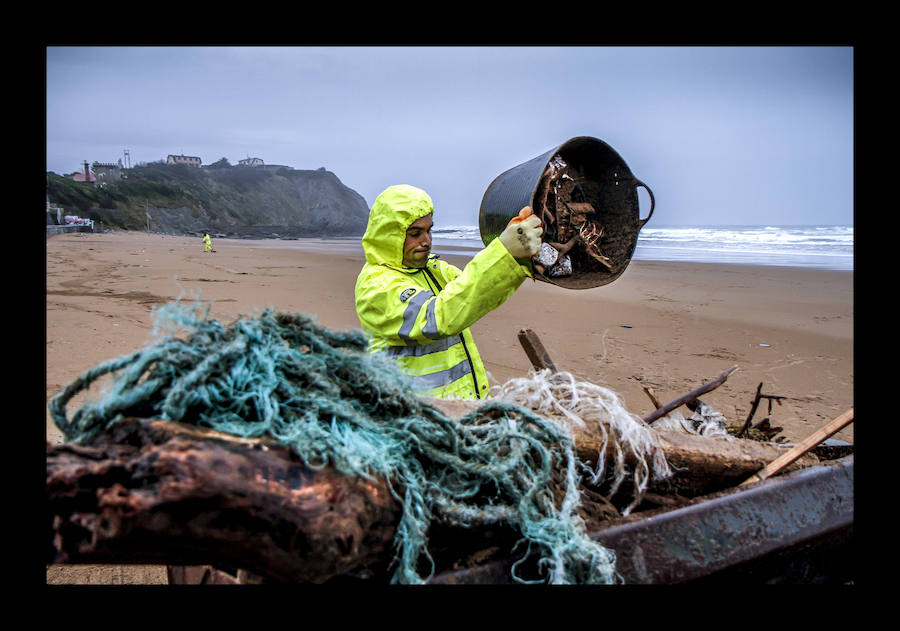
(522, 235)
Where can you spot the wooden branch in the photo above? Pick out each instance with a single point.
(690, 396)
(701, 464)
(808, 443)
(159, 492)
(649, 392)
(563, 248)
(535, 350)
(755, 405)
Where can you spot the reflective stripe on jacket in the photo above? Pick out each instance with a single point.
(421, 317)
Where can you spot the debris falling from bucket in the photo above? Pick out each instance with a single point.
(586, 197)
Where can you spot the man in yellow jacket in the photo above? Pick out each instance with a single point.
(418, 309)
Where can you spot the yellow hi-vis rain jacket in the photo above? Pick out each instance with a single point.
(420, 317)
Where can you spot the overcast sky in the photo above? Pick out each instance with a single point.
(759, 135)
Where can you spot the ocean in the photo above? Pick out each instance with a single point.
(822, 247)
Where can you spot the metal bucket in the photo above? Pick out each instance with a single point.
(599, 191)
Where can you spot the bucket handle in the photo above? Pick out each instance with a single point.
(638, 183)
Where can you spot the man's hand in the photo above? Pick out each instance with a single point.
(522, 235)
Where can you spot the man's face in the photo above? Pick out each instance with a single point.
(418, 242)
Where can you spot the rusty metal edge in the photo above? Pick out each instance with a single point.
(719, 531)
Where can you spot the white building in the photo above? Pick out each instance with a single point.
(191, 161)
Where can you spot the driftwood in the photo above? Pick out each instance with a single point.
(160, 492)
(535, 350)
(753, 407)
(653, 398)
(571, 225)
(702, 464)
(693, 405)
(690, 397)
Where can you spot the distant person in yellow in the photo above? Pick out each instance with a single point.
(417, 309)
(207, 242)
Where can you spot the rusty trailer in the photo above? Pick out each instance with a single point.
(794, 528)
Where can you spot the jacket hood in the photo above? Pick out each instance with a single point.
(392, 213)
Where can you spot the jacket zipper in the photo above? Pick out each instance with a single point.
(461, 339)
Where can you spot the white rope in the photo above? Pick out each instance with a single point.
(705, 421)
(594, 410)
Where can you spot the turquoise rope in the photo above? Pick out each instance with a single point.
(318, 392)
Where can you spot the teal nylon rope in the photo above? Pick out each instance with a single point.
(318, 392)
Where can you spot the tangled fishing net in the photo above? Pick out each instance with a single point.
(318, 392)
(594, 410)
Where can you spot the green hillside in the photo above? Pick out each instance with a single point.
(225, 199)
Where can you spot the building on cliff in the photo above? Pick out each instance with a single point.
(85, 176)
(191, 161)
(105, 172)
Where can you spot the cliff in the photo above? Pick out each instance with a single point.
(249, 202)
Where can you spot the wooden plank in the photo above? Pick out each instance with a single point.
(798, 450)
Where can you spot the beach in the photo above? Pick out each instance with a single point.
(670, 326)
